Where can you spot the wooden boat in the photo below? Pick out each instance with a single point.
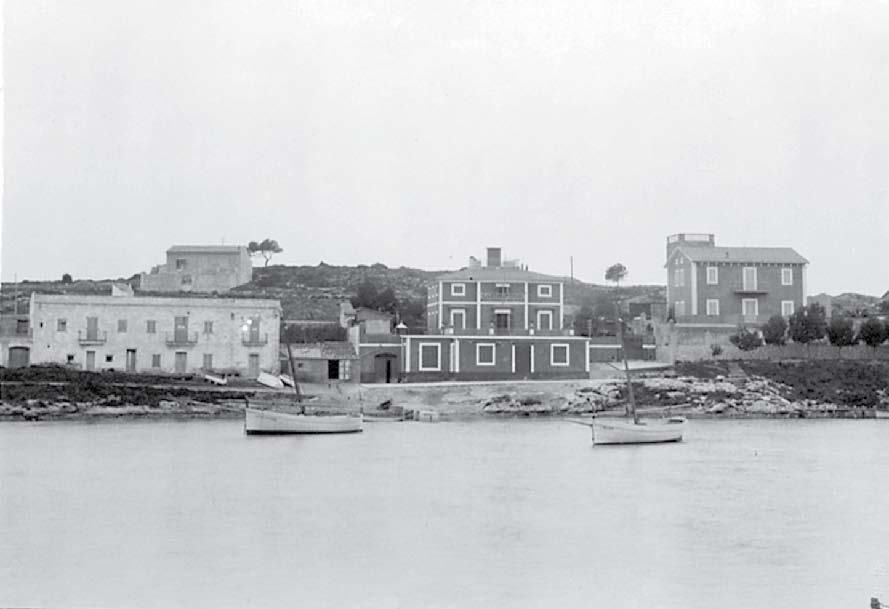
(632, 430)
(258, 421)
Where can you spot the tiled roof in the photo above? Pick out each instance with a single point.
(206, 249)
(322, 350)
(485, 273)
(779, 255)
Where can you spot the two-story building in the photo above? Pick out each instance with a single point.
(725, 287)
(156, 334)
(498, 321)
(200, 268)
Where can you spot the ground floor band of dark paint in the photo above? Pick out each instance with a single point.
(449, 357)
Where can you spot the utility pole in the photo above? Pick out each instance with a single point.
(15, 294)
(572, 269)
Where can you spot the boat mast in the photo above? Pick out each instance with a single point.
(302, 407)
(631, 404)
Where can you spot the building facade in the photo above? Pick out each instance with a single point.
(156, 334)
(730, 286)
(497, 321)
(15, 341)
(200, 268)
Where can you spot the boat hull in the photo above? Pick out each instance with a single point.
(272, 422)
(644, 432)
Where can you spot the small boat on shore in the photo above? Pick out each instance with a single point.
(260, 421)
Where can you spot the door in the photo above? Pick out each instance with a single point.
(181, 362)
(90, 360)
(180, 330)
(749, 277)
(254, 332)
(523, 359)
(750, 309)
(383, 368)
(131, 360)
(502, 322)
(253, 365)
(92, 329)
(19, 357)
(333, 369)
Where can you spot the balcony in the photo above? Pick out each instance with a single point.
(510, 297)
(506, 332)
(91, 338)
(750, 291)
(182, 339)
(254, 340)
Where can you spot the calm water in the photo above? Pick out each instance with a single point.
(476, 514)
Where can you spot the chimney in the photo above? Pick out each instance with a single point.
(493, 256)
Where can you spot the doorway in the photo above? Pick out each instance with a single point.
(384, 368)
(131, 360)
(19, 357)
(333, 369)
(181, 362)
(90, 360)
(253, 365)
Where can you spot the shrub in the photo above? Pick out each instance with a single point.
(873, 332)
(746, 340)
(716, 350)
(774, 331)
(840, 332)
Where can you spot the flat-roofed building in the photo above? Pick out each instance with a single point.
(200, 268)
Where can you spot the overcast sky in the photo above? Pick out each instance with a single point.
(416, 133)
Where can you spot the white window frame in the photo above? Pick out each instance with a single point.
(460, 292)
(715, 309)
(478, 359)
(714, 280)
(786, 276)
(755, 302)
(423, 368)
(541, 313)
(552, 354)
(679, 279)
(461, 312)
(744, 278)
(784, 304)
(544, 291)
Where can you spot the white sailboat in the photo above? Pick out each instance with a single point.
(632, 430)
(277, 421)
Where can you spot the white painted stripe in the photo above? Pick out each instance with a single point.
(456, 355)
(694, 288)
(513, 358)
(601, 346)
(440, 305)
(478, 305)
(587, 365)
(536, 337)
(407, 355)
(532, 359)
(526, 305)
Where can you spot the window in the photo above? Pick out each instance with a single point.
(208, 327)
(679, 308)
(208, 361)
(544, 320)
(121, 325)
(458, 319)
(62, 325)
(70, 358)
(749, 277)
(786, 308)
(712, 275)
(502, 319)
(458, 289)
(786, 277)
(750, 308)
(109, 358)
(545, 291)
(679, 277)
(558, 355)
(151, 326)
(712, 306)
(430, 356)
(180, 263)
(186, 279)
(156, 360)
(503, 290)
(484, 354)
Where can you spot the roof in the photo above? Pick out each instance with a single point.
(761, 255)
(322, 350)
(486, 273)
(192, 301)
(206, 249)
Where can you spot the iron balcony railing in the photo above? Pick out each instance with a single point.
(254, 340)
(182, 339)
(92, 338)
(507, 332)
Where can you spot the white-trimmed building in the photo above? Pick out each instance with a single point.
(156, 334)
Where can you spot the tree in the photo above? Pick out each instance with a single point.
(774, 331)
(873, 332)
(746, 340)
(840, 333)
(66, 278)
(266, 248)
(369, 296)
(808, 324)
(616, 273)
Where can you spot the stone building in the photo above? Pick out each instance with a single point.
(156, 334)
(200, 268)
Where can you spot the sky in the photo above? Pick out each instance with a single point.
(419, 132)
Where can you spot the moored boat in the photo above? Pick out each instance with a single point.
(257, 421)
(617, 431)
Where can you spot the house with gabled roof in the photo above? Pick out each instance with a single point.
(710, 285)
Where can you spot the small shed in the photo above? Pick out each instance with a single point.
(322, 362)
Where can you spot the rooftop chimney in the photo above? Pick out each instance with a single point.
(494, 256)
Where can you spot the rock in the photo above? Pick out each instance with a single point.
(168, 405)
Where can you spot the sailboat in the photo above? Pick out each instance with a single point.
(272, 420)
(632, 430)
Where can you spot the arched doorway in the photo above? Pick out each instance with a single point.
(384, 368)
(19, 357)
